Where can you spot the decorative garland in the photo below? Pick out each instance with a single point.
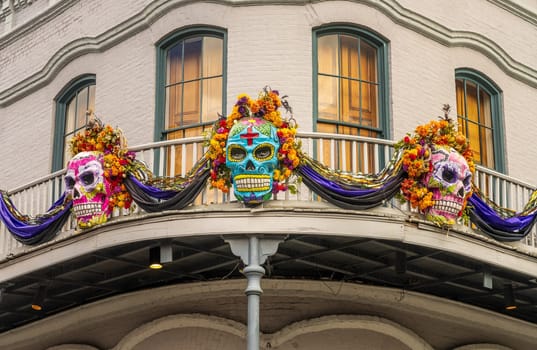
(117, 160)
(265, 106)
(416, 157)
(406, 171)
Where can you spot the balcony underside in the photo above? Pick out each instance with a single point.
(290, 310)
(378, 247)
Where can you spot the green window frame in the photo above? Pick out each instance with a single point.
(480, 117)
(176, 45)
(72, 104)
(350, 87)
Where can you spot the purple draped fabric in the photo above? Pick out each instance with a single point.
(153, 191)
(488, 215)
(319, 179)
(33, 231)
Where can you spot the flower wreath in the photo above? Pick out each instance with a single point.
(116, 161)
(417, 153)
(265, 106)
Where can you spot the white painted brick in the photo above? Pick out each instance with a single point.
(267, 45)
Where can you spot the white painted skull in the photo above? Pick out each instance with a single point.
(86, 184)
(450, 181)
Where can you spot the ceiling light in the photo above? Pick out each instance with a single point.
(160, 255)
(39, 298)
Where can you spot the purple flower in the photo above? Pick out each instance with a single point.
(422, 152)
(242, 110)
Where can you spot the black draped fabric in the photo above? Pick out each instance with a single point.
(146, 198)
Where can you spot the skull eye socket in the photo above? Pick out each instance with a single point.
(467, 180)
(264, 152)
(69, 182)
(236, 153)
(449, 174)
(87, 178)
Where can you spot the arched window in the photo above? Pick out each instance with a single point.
(479, 115)
(350, 87)
(72, 106)
(190, 85)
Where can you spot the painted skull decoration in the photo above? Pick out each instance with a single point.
(85, 183)
(450, 181)
(252, 155)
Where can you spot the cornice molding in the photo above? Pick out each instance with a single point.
(36, 22)
(152, 12)
(517, 10)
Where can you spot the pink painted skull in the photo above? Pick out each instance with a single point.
(86, 184)
(450, 181)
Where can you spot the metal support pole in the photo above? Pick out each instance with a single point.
(253, 252)
(253, 272)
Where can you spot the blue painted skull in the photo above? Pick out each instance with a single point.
(252, 155)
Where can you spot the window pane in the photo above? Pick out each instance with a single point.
(349, 98)
(212, 99)
(369, 105)
(350, 101)
(81, 107)
(323, 146)
(488, 147)
(192, 64)
(75, 104)
(328, 103)
(475, 119)
(174, 64)
(473, 137)
(327, 54)
(212, 56)
(368, 62)
(349, 57)
(66, 150)
(91, 98)
(324, 127)
(174, 100)
(70, 116)
(484, 108)
(179, 165)
(459, 84)
(471, 102)
(197, 96)
(191, 103)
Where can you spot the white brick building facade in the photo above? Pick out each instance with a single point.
(45, 44)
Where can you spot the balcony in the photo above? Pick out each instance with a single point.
(390, 245)
(179, 155)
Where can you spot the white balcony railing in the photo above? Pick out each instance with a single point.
(175, 157)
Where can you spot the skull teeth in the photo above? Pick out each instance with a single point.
(244, 183)
(447, 206)
(87, 209)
